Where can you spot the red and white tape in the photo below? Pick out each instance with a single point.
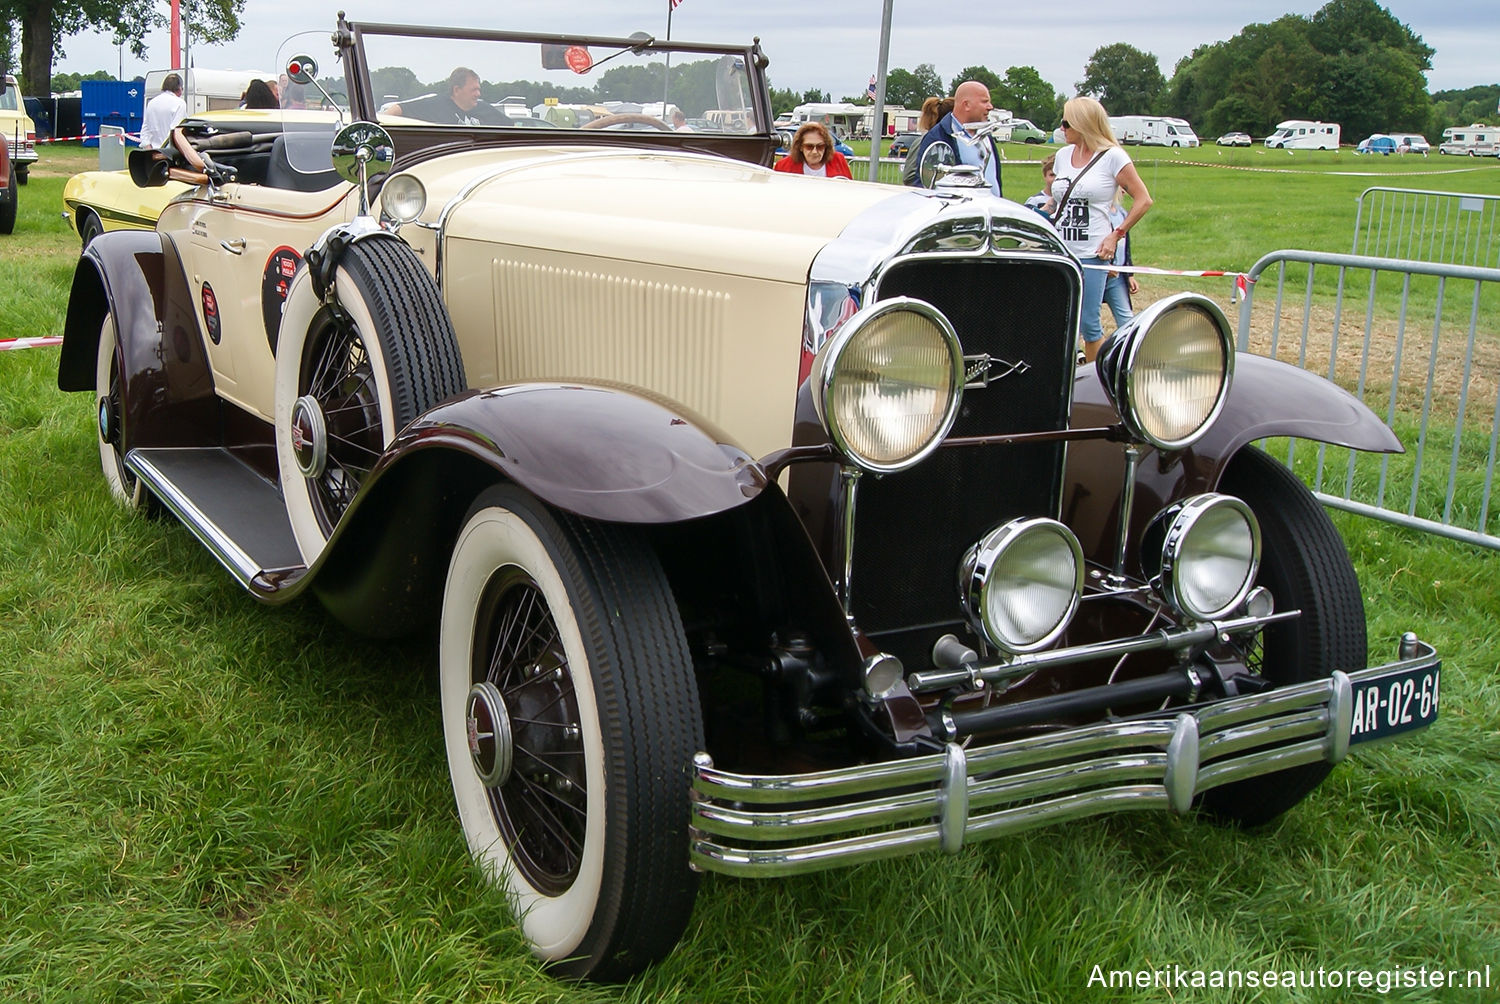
(71, 139)
(29, 343)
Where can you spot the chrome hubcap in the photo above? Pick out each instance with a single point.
(490, 741)
(309, 436)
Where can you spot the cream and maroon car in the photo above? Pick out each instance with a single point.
(768, 523)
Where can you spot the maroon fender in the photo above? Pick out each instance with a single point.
(167, 387)
(1267, 398)
(599, 451)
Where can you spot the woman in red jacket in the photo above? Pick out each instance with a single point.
(813, 153)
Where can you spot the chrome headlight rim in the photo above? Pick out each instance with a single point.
(825, 367)
(1174, 527)
(977, 576)
(1120, 370)
(403, 198)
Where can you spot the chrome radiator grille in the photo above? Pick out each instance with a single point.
(912, 528)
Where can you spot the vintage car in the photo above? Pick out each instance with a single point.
(755, 541)
(9, 196)
(17, 128)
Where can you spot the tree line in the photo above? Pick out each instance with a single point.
(1351, 62)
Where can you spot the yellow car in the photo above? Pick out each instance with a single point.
(101, 201)
(19, 130)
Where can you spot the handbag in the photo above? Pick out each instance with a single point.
(1069, 190)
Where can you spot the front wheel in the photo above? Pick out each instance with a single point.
(9, 200)
(350, 374)
(570, 717)
(23, 173)
(1307, 568)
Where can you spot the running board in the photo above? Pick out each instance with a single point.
(236, 513)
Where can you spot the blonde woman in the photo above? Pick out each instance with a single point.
(1092, 170)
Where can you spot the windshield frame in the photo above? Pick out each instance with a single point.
(418, 142)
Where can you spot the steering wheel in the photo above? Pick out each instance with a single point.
(612, 121)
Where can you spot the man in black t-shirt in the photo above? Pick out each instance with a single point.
(460, 106)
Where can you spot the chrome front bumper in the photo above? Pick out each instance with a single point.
(768, 825)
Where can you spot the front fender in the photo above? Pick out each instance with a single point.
(1267, 398)
(602, 452)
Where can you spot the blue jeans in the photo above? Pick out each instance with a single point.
(1093, 298)
(1117, 295)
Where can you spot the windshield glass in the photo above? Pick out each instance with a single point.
(510, 84)
(310, 113)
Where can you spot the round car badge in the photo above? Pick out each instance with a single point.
(578, 59)
(211, 314)
(281, 267)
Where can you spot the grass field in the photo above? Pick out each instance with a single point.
(202, 799)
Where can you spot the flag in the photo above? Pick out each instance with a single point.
(871, 89)
(674, 3)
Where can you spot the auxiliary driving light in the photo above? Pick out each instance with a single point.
(1020, 585)
(887, 384)
(1201, 555)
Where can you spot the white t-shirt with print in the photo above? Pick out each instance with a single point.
(1084, 221)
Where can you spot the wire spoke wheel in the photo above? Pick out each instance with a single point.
(340, 378)
(542, 810)
(570, 719)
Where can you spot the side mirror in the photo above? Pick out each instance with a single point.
(362, 150)
(935, 157)
(301, 69)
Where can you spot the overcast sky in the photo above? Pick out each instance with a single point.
(834, 45)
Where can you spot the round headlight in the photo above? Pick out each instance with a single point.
(402, 198)
(1202, 554)
(1021, 583)
(1168, 371)
(888, 384)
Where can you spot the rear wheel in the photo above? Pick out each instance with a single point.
(570, 717)
(23, 173)
(1307, 568)
(352, 374)
(109, 423)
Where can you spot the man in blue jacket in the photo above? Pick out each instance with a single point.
(971, 106)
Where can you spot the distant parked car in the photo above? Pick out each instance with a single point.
(903, 143)
(1234, 139)
(1025, 131)
(1413, 144)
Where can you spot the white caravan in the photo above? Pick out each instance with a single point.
(1304, 134)
(206, 90)
(1477, 140)
(1128, 129)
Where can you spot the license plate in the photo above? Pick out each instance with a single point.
(1397, 702)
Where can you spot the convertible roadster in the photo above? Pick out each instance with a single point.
(766, 523)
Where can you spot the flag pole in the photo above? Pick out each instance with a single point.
(877, 124)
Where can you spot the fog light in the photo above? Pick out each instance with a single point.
(1020, 585)
(1201, 555)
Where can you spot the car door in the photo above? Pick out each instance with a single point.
(249, 241)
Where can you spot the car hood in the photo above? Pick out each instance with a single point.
(679, 209)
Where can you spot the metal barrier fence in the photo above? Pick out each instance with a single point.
(888, 172)
(1450, 227)
(1426, 346)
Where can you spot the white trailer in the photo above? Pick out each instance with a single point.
(1304, 134)
(841, 118)
(1128, 129)
(1477, 140)
(207, 90)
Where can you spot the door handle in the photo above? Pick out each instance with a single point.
(236, 246)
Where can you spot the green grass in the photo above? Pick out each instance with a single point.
(203, 799)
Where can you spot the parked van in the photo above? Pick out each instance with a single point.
(1128, 129)
(1167, 131)
(19, 130)
(1477, 140)
(206, 90)
(1303, 134)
